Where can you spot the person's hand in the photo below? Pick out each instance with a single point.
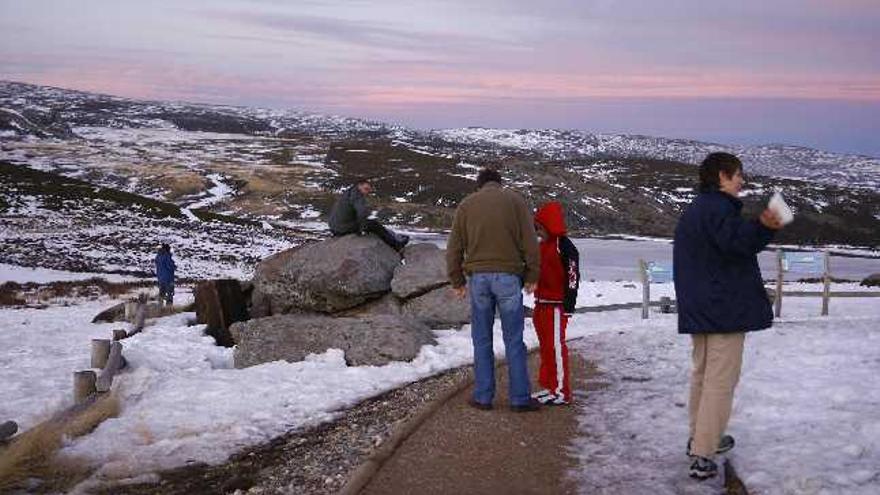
(529, 288)
(460, 292)
(770, 219)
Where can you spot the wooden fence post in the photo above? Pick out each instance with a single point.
(115, 363)
(646, 288)
(779, 276)
(83, 385)
(826, 290)
(100, 352)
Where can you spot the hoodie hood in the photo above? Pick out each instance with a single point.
(550, 217)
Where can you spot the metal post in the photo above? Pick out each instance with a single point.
(826, 291)
(779, 274)
(646, 288)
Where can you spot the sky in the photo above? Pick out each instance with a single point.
(801, 72)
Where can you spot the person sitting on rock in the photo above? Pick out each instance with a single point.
(350, 215)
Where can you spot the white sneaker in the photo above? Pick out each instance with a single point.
(552, 400)
(541, 393)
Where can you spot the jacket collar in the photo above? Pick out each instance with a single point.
(737, 203)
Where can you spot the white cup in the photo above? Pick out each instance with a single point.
(782, 210)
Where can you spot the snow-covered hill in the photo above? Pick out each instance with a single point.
(774, 160)
(257, 167)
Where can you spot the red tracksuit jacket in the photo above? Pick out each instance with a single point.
(554, 300)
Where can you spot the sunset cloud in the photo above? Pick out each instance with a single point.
(394, 59)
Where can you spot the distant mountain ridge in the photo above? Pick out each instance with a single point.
(234, 183)
(775, 160)
(87, 109)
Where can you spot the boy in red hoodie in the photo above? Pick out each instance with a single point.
(555, 299)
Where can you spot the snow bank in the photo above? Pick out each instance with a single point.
(806, 417)
(184, 402)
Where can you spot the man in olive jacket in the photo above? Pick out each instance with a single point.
(720, 296)
(493, 242)
(350, 215)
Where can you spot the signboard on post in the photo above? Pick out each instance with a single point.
(807, 263)
(652, 272)
(803, 262)
(659, 273)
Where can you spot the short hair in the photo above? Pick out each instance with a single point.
(714, 163)
(487, 175)
(166, 247)
(363, 180)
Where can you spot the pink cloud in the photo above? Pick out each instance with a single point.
(429, 86)
(401, 85)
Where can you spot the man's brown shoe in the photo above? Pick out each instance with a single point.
(479, 405)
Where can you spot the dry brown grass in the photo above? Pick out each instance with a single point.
(13, 294)
(260, 185)
(9, 294)
(181, 184)
(33, 454)
(143, 431)
(175, 179)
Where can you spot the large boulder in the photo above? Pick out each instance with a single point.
(423, 270)
(219, 304)
(439, 308)
(872, 280)
(389, 304)
(326, 277)
(371, 340)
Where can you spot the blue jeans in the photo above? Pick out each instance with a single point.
(504, 290)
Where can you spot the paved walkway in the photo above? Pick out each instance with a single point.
(463, 450)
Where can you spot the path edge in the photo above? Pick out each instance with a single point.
(368, 469)
(364, 473)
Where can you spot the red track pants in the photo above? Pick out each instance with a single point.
(550, 323)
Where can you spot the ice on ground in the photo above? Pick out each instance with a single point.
(190, 215)
(219, 192)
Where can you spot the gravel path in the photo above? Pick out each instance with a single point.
(463, 450)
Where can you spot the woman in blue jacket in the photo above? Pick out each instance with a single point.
(165, 273)
(720, 296)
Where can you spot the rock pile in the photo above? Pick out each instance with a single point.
(352, 293)
(872, 280)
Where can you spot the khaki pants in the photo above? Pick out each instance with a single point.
(717, 361)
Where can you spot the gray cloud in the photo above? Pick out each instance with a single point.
(363, 34)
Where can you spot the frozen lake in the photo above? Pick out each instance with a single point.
(617, 259)
(605, 259)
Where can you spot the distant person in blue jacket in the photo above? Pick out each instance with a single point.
(165, 273)
(720, 295)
